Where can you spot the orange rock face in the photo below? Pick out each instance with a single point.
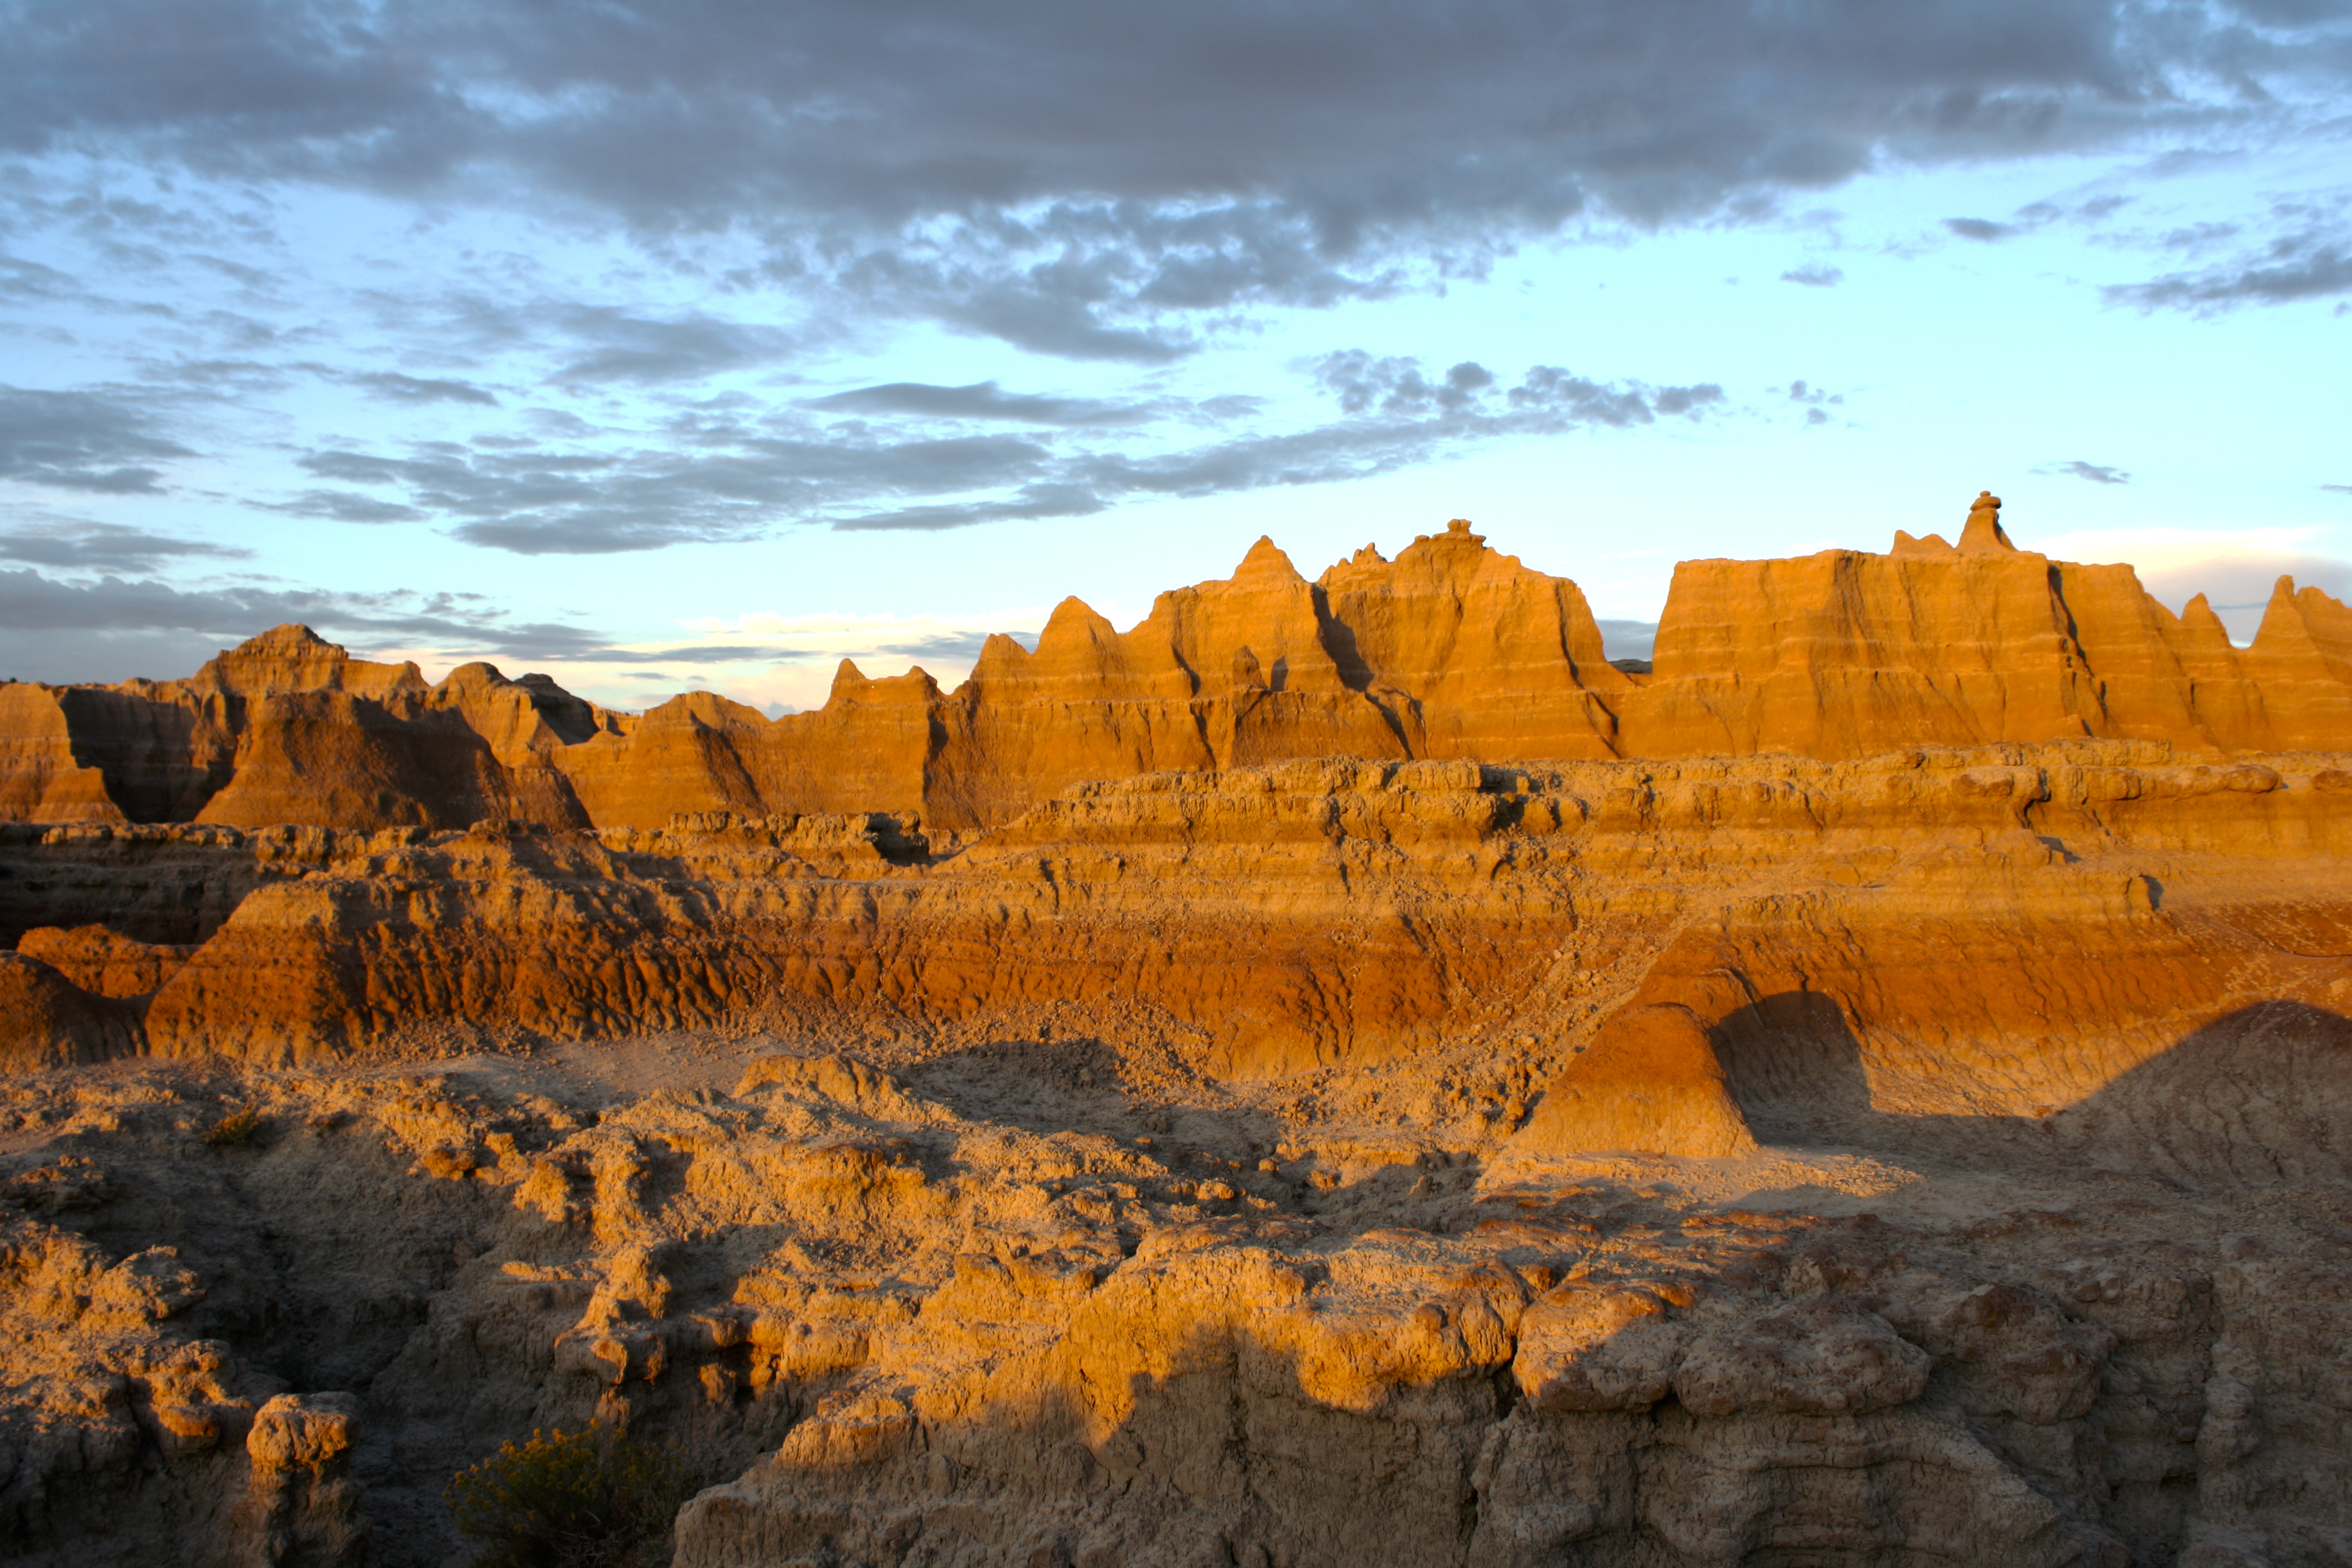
(1843, 654)
(289, 728)
(2095, 900)
(1450, 650)
(1471, 1145)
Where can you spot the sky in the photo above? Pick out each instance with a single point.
(658, 344)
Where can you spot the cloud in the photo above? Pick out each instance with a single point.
(2312, 265)
(2097, 473)
(1031, 502)
(344, 506)
(115, 628)
(619, 346)
(2339, 490)
(1628, 640)
(1363, 383)
(981, 400)
(784, 662)
(1982, 230)
(399, 388)
(104, 547)
(2235, 570)
(86, 441)
(1393, 413)
(686, 653)
(717, 478)
(1815, 275)
(1027, 169)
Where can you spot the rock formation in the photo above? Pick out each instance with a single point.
(1873, 1090)
(1451, 651)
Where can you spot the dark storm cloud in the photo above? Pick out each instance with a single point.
(1060, 174)
(2097, 473)
(104, 547)
(81, 441)
(981, 400)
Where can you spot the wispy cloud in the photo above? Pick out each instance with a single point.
(105, 547)
(915, 467)
(2097, 473)
(91, 441)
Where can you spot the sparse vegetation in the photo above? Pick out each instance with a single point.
(234, 1130)
(593, 1499)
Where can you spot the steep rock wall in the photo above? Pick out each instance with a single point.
(2030, 920)
(1451, 650)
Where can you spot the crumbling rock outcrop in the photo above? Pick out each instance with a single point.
(1917, 1134)
(1996, 932)
(1451, 650)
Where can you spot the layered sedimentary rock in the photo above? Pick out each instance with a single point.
(289, 728)
(999, 1296)
(1845, 653)
(1470, 1144)
(1938, 1156)
(2096, 896)
(1451, 650)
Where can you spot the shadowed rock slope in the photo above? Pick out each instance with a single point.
(1451, 651)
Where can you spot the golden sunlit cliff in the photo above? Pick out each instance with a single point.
(1451, 651)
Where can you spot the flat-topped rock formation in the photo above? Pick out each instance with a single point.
(1451, 650)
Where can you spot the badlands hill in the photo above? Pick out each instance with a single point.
(1337, 1074)
(1451, 651)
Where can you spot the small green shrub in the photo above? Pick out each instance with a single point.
(234, 1130)
(591, 1499)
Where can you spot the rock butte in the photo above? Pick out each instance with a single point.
(1451, 650)
(1338, 1073)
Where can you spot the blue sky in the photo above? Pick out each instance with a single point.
(708, 343)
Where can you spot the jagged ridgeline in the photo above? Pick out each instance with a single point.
(1451, 651)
